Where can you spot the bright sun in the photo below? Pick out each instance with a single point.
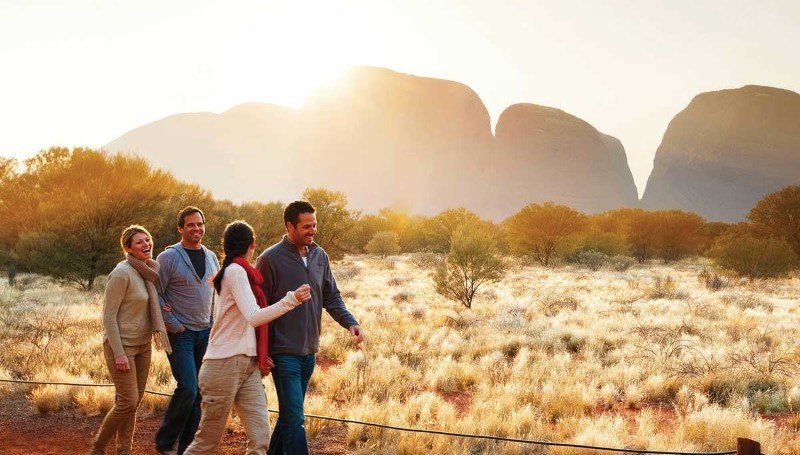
(284, 56)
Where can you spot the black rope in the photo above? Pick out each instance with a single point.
(524, 441)
(419, 430)
(153, 392)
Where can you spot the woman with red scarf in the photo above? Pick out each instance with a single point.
(237, 353)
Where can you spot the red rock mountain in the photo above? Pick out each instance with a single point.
(549, 155)
(727, 150)
(230, 154)
(384, 138)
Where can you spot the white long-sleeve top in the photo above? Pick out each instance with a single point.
(236, 313)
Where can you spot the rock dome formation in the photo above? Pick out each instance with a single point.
(549, 155)
(725, 151)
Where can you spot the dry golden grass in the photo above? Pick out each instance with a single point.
(647, 358)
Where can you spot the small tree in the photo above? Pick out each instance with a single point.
(779, 214)
(335, 221)
(440, 228)
(472, 262)
(541, 230)
(640, 230)
(384, 243)
(76, 202)
(678, 235)
(747, 253)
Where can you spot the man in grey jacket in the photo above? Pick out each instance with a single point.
(294, 337)
(186, 294)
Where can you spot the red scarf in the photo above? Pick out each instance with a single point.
(262, 332)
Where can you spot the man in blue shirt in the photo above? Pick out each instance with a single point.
(186, 294)
(294, 337)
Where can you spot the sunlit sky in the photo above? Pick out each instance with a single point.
(81, 72)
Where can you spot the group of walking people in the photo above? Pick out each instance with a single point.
(223, 328)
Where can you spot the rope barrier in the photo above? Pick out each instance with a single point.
(76, 384)
(419, 430)
(524, 441)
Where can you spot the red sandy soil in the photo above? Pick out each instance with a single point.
(24, 431)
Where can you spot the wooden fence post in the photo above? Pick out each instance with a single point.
(746, 446)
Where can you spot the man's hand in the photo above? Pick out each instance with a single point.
(357, 332)
(268, 367)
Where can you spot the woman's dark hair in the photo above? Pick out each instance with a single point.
(236, 240)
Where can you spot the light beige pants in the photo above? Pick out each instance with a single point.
(121, 419)
(225, 383)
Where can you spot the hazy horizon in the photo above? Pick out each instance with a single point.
(82, 74)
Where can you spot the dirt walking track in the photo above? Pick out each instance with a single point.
(23, 431)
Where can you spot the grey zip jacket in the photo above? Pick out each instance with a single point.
(298, 331)
(189, 295)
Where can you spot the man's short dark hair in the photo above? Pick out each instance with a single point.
(188, 210)
(291, 214)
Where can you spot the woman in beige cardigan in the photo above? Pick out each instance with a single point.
(131, 318)
(237, 353)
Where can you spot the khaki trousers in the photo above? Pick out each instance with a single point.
(121, 419)
(225, 383)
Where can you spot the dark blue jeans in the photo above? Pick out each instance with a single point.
(291, 375)
(183, 413)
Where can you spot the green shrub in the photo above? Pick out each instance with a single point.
(621, 263)
(591, 259)
(472, 262)
(751, 256)
(384, 243)
(712, 281)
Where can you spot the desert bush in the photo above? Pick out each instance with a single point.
(660, 388)
(712, 427)
(712, 281)
(742, 251)
(640, 229)
(768, 402)
(678, 234)
(384, 243)
(94, 401)
(553, 303)
(402, 297)
(31, 335)
(664, 288)
(778, 214)
(591, 259)
(472, 262)
(426, 260)
(51, 398)
(542, 230)
(765, 353)
(621, 263)
(721, 388)
(709, 234)
(746, 301)
(605, 239)
(397, 281)
(441, 227)
(450, 376)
